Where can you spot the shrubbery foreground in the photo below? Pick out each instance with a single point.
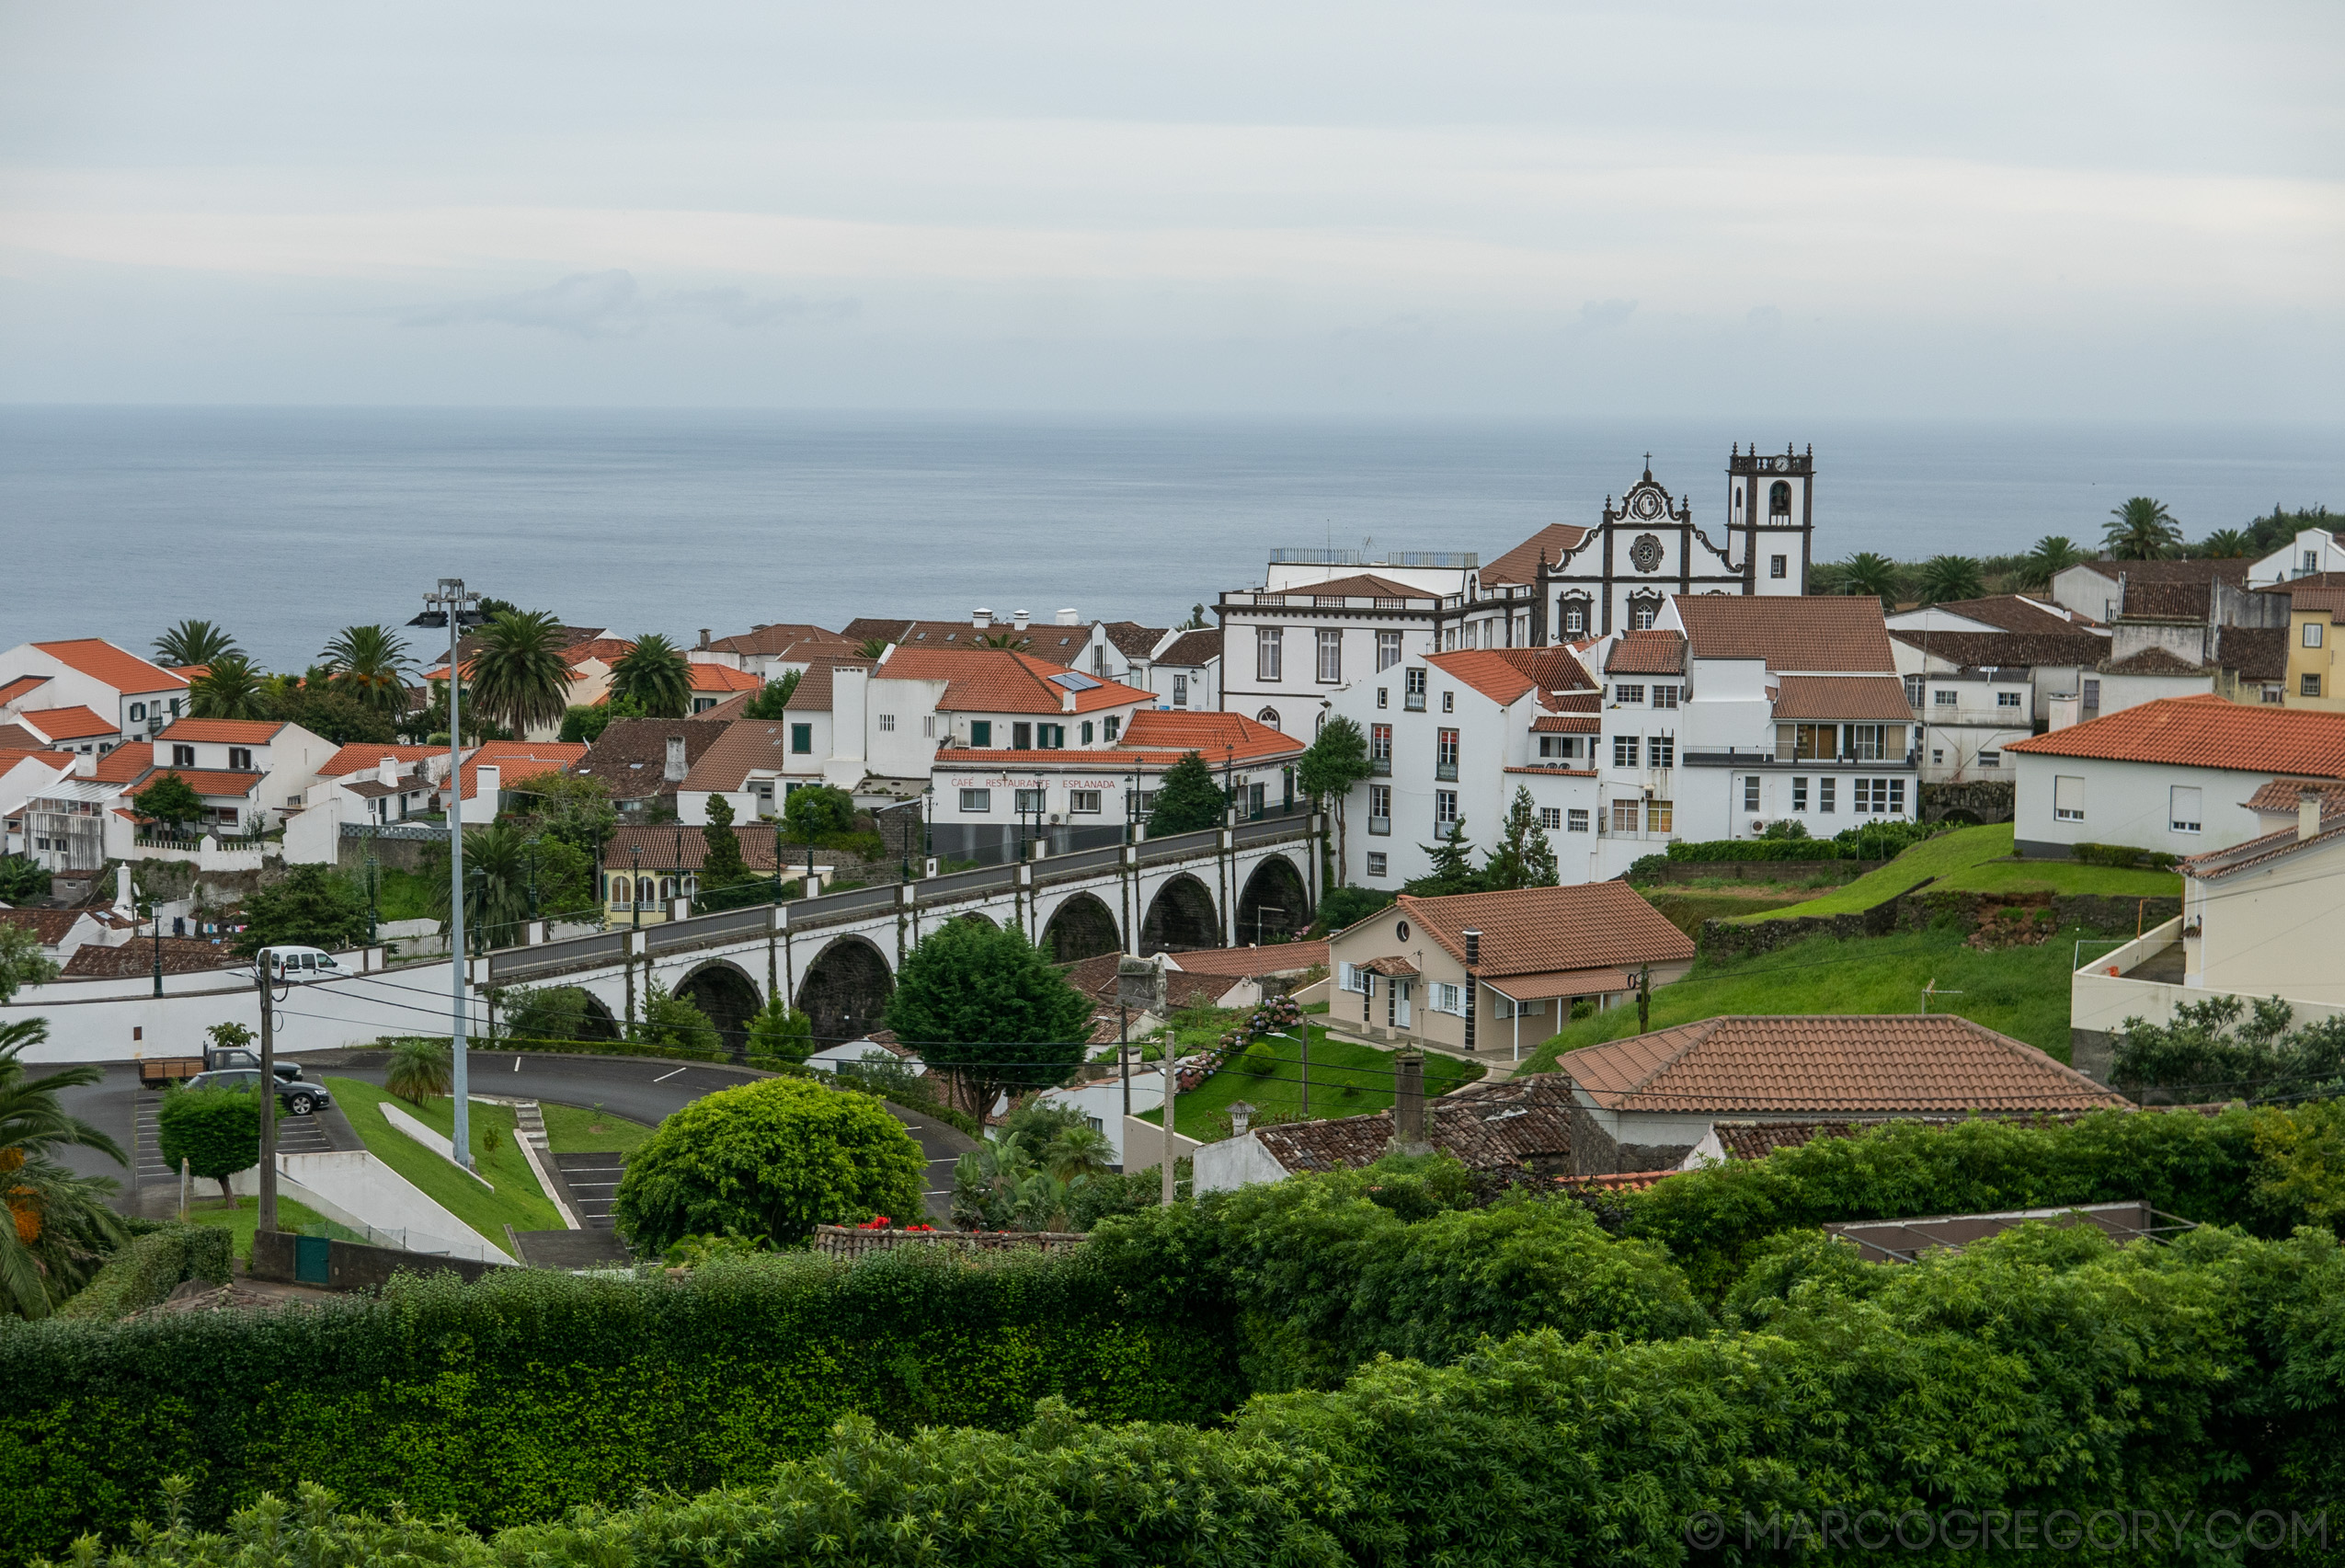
(1574, 1394)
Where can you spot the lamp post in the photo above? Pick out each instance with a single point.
(1229, 781)
(452, 606)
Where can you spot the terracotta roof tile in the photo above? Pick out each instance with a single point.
(1842, 697)
(1053, 644)
(1209, 734)
(2013, 613)
(673, 848)
(11, 755)
(1894, 1062)
(215, 784)
(1095, 978)
(49, 927)
(2206, 732)
(68, 724)
(1359, 585)
(364, 756)
(2164, 602)
(2256, 653)
(16, 737)
(1566, 723)
(785, 640)
(124, 764)
(747, 746)
(1647, 653)
(631, 757)
(1550, 544)
(2008, 650)
(814, 692)
(16, 689)
(517, 760)
(2231, 569)
(1131, 639)
(609, 651)
(1498, 679)
(1542, 930)
(1192, 649)
(1001, 680)
(2151, 661)
(1279, 958)
(181, 956)
(101, 661)
(233, 731)
(1818, 633)
(2217, 864)
(2281, 794)
(707, 677)
(1521, 1121)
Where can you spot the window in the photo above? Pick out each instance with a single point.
(1575, 821)
(977, 800)
(2311, 561)
(1387, 650)
(1658, 816)
(1269, 650)
(1643, 613)
(2274, 691)
(1380, 747)
(1575, 618)
(1624, 816)
(801, 739)
(2092, 694)
(1778, 499)
(928, 731)
(1566, 746)
(1087, 732)
(2308, 685)
(1020, 735)
(1945, 696)
(138, 712)
(1799, 794)
(1050, 736)
(1445, 807)
(1990, 759)
(1445, 753)
(1913, 685)
(182, 756)
(1880, 797)
(1550, 816)
(1825, 790)
(1033, 801)
(887, 724)
(1114, 728)
(1268, 716)
(1084, 801)
(1449, 702)
(1661, 751)
(1383, 697)
(1937, 756)
(1447, 998)
(240, 759)
(2182, 809)
(980, 732)
(1375, 864)
(1381, 809)
(1412, 692)
(1624, 751)
(1628, 693)
(1750, 792)
(1331, 657)
(2006, 699)
(1868, 742)
(1179, 690)
(2312, 640)
(1778, 566)
(1664, 696)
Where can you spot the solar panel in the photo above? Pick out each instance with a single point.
(1074, 681)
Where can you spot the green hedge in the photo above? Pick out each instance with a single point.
(159, 1258)
(2125, 855)
(2044, 1371)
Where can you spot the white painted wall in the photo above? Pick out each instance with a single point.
(2128, 803)
(2272, 929)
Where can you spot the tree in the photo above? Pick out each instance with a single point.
(2142, 530)
(1345, 907)
(370, 664)
(1866, 572)
(1945, 577)
(871, 648)
(584, 723)
(1337, 760)
(722, 866)
(230, 689)
(517, 676)
(57, 1224)
(575, 810)
(981, 1003)
(419, 1070)
(817, 812)
(194, 641)
(780, 1030)
(497, 885)
(654, 677)
(1017, 642)
(312, 907)
(1196, 621)
(2051, 555)
(169, 800)
(774, 1159)
(2216, 1050)
(1188, 798)
(2224, 544)
(23, 880)
(1523, 857)
(676, 1022)
(22, 963)
(330, 712)
(1453, 866)
(216, 1131)
(1078, 1153)
(773, 698)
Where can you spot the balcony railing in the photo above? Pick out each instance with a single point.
(1413, 701)
(1380, 767)
(1446, 772)
(1380, 827)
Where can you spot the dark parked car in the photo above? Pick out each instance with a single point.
(297, 1097)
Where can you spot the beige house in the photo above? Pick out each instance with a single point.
(1497, 972)
(2262, 918)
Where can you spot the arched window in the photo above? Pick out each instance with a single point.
(691, 886)
(1268, 716)
(619, 890)
(1778, 499)
(1644, 613)
(1574, 617)
(666, 887)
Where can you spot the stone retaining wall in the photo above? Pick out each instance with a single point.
(1918, 908)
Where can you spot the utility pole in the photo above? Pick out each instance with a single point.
(1172, 1055)
(1307, 1069)
(1644, 1000)
(267, 1219)
(451, 606)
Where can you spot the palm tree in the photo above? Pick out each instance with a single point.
(497, 884)
(518, 677)
(871, 648)
(1864, 572)
(194, 641)
(654, 676)
(1945, 578)
(2051, 555)
(230, 689)
(418, 1070)
(2225, 544)
(2142, 530)
(1078, 1153)
(371, 664)
(58, 1225)
(1015, 642)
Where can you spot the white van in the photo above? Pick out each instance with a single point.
(297, 966)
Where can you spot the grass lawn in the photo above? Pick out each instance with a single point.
(409, 895)
(1346, 1081)
(517, 1200)
(1688, 910)
(242, 1220)
(2019, 991)
(574, 1129)
(1965, 861)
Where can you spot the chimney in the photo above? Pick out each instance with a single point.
(704, 637)
(677, 768)
(1240, 1112)
(488, 780)
(1408, 1102)
(123, 904)
(1018, 619)
(386, 773)
(2307, 813)
(1473, 948)
(981, 618)
(1067, 617)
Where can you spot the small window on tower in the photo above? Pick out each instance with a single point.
(1778, 499)
(1779, 566)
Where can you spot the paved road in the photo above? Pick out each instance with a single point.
(641, 1089)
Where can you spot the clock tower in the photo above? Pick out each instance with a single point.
(1770, 518)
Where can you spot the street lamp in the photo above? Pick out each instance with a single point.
(452, 606)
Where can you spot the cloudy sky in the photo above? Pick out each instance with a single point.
(2107, 211)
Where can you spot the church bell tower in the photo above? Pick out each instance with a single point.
(1770, 518)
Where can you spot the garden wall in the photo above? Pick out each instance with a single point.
(1918, 908)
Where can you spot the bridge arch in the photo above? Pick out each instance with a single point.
(845, 990)
(1275, 905)
(1081, 927)
(1180, 918)
(720, 989)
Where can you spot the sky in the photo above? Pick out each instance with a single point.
(2078, 210)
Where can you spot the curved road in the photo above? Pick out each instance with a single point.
(643, 1089)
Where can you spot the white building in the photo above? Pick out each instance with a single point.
(27, 776)
(1288, 646)
(1185, 670)
(2311, 553)
(2176, 775)
(85, 696)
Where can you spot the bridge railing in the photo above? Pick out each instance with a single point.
(513, 966)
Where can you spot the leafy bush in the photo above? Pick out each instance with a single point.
(215, 1131)
(157, 1260)
(312, 907)
(1258, 1058)
(420, 1069)
(555, 1016)
(889, 1079)
(676, 1022)
(1876, 841)
(774, 1158)
(781, 1032)
(2209, 1053)
(23, 880)
(2122, 855)
(1348, 906)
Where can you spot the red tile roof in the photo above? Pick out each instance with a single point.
(784, 639)
(215, 784)
(69, 723)
(1647, 653)
(11, 755)
(1359, 585)
(2299, 598)
(706, 677)
(181, 956)
(1894, 1062)
(18, 687)
(1542, 930)
(818, 682)
(1566, 723)
(673, 848)
(1095, 978)
(2217, 864)
(1049, 642)
(1175, 731)
(2151, 661)
(1842, 697)
(235, 731)
(1004, 682)
(2012, 612)
(2206, 732)
(1550, 544)
(101, 661)
(124, 764)
(1815, 632)
(1494, 677)
(2232, 569)
(746, 746)
(366, 756)
(2008, 650)
(1279, 958)
(2281, 794)
(1495, 1127)
(517, 760)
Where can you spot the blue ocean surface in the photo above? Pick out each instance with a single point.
(286, 524)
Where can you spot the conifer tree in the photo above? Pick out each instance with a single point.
(1188, 800)
(1523, 857)
(1453, 866)
(722, 867)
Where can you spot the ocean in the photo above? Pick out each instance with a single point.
(286, 524)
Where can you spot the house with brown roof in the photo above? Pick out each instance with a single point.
(2314, 553)
(1651, 1101)
(770, 651)
(2098, 589)
(1522, 1123)
(84, 694)
(645, 761)
(1497, 972)
(646, 869)
(1064, 640)
(1185, 669)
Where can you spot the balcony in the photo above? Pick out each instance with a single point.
(1413, 701)
(1380, 827)
(1380, 767)
(1446, 772)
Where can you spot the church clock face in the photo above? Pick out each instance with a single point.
(1646, 504)
(1646, 553)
